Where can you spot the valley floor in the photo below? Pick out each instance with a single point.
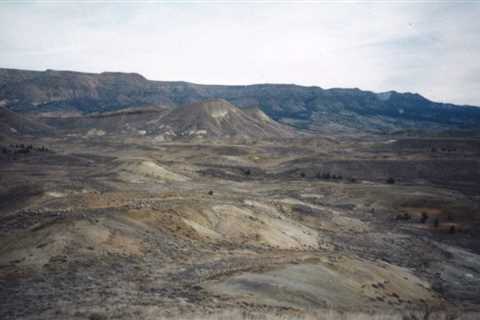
(313, 228)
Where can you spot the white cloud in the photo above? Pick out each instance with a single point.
(431, 48)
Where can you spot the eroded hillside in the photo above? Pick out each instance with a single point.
(103, 228)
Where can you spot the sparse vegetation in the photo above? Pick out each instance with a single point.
(22, 149)
(329, 176)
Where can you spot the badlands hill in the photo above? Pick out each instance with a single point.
(14, 124)
(220, 119)
(324, 110)
(212, 119)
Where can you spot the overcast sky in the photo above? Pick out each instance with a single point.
(432, 48)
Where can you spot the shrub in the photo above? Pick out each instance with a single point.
(452, 230)
(210, 193)
(97, 316)
(424, 217)
(436, 223)
(390, 180)
(302, 174)
(247, 172)
(404, 216)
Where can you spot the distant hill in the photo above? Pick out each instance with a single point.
(212, 119)
(321, 110)
(13, 124)
(218, 119)
(136, 121)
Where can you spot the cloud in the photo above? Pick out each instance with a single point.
(431, 48)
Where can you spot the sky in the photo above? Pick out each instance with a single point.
(427, 47)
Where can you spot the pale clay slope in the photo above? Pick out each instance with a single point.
(37, 247)
(133, 169)
(231, 223)
(343, 282)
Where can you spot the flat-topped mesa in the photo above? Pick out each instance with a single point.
(329, 111)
